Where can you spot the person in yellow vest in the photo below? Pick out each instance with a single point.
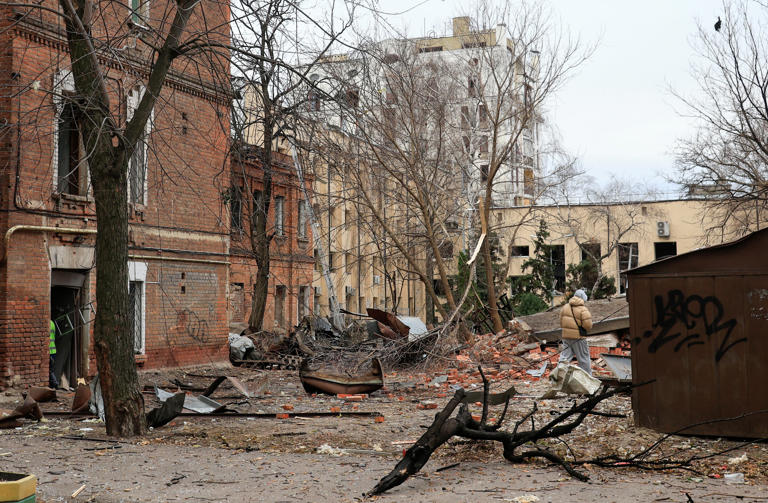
(52, 381)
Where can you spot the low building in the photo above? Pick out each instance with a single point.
(621, 235)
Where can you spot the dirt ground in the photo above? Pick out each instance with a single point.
(339, 457)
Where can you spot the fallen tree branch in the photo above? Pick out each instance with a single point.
(463, 425)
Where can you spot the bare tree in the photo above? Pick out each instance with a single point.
(726, 159)
(601, 215)
(508, 73)
(268, 39)
(393, 111)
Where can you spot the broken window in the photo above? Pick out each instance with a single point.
(483, 172)
(279, 216)
(313, 100)
(628, 259)
(137, 164)
(303, 307)
(235, 210)
(140, 12)
(519, 251)
(471, 87)
(556, 256)
(446, 249)
(483, 145)
(303, 214)
(280, 305)
(72, 169)
(590, 253)
(664, 249)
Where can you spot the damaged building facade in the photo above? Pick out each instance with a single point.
(178, 240)
(290, 295)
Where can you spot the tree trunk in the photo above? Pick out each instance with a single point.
(493, 309)
(113, 338)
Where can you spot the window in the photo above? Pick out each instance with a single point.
(628, 259)
(235, 210)
(71, 167)
(483, 116)
(467, 119)
(280, 306)
(483, 145)
(435, 48)
(140, 12)
(349, 261)
(483, 172)
(313, 100)
(303, 214)
(471, 87)
(279, 216)
(556, 256)
(72, 170)
(663, 249)
(528, 181)
(519, 251)
(446, 249)
(137, 276)
(137, 164)
(303, 307)
(318, 265)
(465, 139)
(590, 253)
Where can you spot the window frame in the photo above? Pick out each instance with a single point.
(137, 274)
(132, 99)
(280, 216)
(64, 90)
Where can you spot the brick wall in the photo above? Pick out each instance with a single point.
(186, 314)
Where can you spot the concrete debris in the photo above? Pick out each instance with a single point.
(96, 401)
(331, 451)
(572, 380)
(240, 348)
(738, 460)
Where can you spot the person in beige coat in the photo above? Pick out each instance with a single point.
(572, 316)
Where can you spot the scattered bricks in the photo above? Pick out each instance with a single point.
(442, 395)
(478, 404)
(401, 398)
(427, 405)
(287, 407)
(477, 417)
(379, 419)
(283, 415)
(596, 351)
(335, 410)
(352, 398)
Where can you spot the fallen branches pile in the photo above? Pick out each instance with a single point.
(464, 425)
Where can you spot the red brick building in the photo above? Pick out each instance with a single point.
(179, 231)
(291, 266)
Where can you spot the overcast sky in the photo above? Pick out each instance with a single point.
(616, 114)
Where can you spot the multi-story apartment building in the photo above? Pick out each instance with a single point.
(423, 112)
(178, 240)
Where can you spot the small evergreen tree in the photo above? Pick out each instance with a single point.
(539, 281)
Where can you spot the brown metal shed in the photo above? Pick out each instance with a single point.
(699, 328)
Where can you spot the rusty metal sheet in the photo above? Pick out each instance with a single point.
(42, 394)
(389, 320)
(82, 397)
(334, 383)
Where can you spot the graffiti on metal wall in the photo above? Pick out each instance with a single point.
(701, 317)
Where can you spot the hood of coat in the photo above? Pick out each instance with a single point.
(575, 301)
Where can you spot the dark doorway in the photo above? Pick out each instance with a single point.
(66, 303)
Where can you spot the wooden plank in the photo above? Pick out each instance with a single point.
(756, 351)
(643, 367)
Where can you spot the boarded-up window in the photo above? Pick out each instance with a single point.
(280, 293)
(236, 302)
